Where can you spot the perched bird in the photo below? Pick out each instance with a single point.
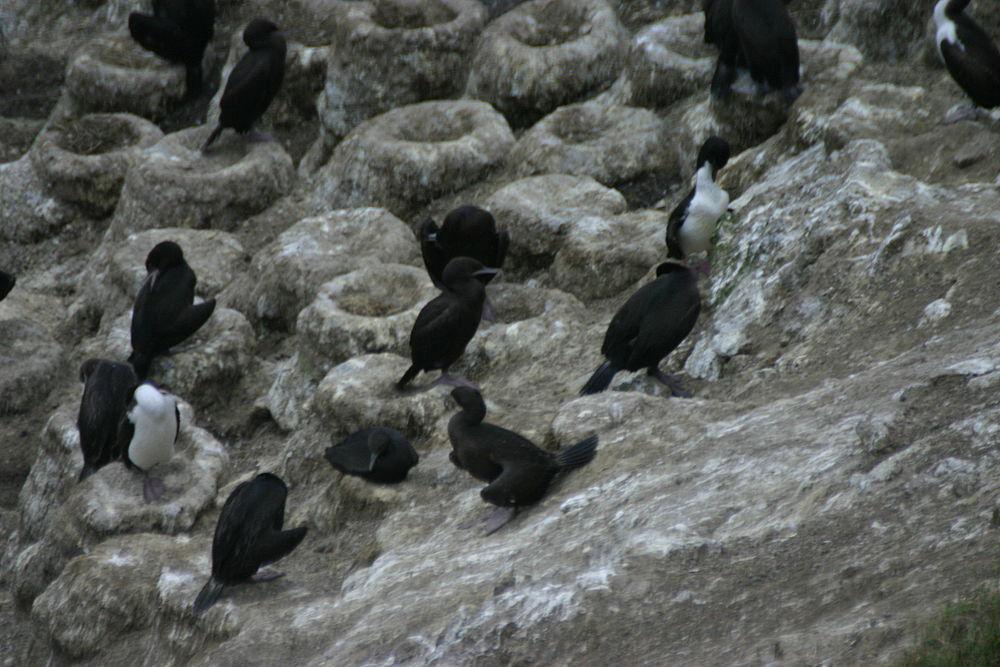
(769, 45)
(254, 81)
(248, 536)
(380, 455)
(692, 223)
(7, 282)
(178, 31)
(147, 435)
(972, 58)
(467, 231)
(107, 392)
(164, 314)
(449, 321)
(519, 472)
(651, 324)
(758, 35)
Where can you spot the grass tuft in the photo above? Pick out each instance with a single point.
(966, 634)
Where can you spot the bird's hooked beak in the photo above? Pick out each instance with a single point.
(371, 461)
(485, 272)
(432, 237)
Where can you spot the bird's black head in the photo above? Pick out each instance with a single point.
(714, 151)
(671, 266)
(470, 400)
(463, 270)
(469, 216)
(87, 367)
(271, 479)
(258, 32)
(164, 255)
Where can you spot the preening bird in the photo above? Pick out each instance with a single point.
(254, 81)
(651, 324)
(518, 472)
(147, 435)
(449, 321)
(693, 222)
(248, 536)
(467, 231)
(178, 31)
(381, 455)
(107, 392)
(164, 314)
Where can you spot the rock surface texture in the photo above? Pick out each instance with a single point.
(834, 480)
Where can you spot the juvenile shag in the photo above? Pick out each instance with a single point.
(972, 58)
(248, 536)
(254, 81)
(692, 223)
(164, 314)
(147, 435)
(380, 455)
(449, 321)
(178, 31)
(651, 324)
(107, 392)
(518, 471)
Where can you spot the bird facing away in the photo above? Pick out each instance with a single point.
(518, 471)
(248, 536)
(449, 321)
(651, 324)
(467, 231)
(178, 31)
(7, 282)
(758, 35)
(254, 81)
(972, 58)
(692, 223)
(164, 314)
(107, 392)
(380, 455)
(147, 435)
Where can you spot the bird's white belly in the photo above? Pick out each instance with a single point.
(704, 212)
(152, 443)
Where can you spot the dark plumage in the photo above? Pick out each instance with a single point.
(692, 223)
(651, 324)
(254, 81)
(449, 321)
(519, 472)
(380, 455)
(107, 392)
(972, 58)
(248, 536)
(7, 282)
(756, 34)
(467, 231)
(164, 314)
(178, 31)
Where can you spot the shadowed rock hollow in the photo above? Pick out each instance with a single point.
(834, 480)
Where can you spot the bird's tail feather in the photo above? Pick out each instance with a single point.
(410, 373)
(578, 455)
(208, 596)
(87, 471)
(212, 137)
(600, 380)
